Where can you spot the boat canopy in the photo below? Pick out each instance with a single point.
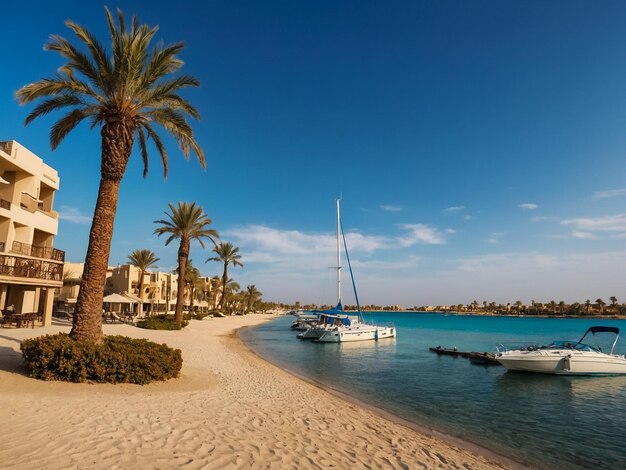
(336, 310)
(330, 319)
(603, 329)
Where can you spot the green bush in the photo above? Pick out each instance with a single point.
(195, 316)
(117, 359)
(161, 322)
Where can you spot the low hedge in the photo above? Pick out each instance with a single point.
(117, 359)
(161, 322)
(195, 316)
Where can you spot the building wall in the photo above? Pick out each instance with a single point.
(30, 268)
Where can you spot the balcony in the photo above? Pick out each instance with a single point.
(45, 252)
(6, 147)
(14, 266)
(4, 204)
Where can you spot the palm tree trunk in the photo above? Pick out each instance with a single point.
(117, 143)
(142, 273)
(224, 280)
(183, 254)
(87, 322)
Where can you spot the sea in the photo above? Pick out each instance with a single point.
(542, 421)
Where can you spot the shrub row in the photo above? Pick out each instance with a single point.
(161, 322)
(117, 359)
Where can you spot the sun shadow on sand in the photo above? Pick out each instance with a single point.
(11, 360)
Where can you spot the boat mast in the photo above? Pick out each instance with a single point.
(338, 254)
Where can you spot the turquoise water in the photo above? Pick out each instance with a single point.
(540, 420)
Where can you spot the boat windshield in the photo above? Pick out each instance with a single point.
(572, 345)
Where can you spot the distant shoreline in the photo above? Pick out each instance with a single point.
(497, 314)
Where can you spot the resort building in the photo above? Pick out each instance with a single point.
(30, 268)
(158, 290)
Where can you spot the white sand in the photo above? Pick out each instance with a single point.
(229, 409)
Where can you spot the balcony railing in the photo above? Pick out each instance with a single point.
(30, 268)
(6, 146)
(38, 251)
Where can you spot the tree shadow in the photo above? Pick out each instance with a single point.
(11, 360)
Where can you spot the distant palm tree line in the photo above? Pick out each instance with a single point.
(552, 308)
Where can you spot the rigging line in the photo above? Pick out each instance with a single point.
(345, 246)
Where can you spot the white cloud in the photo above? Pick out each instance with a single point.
(608, 194)
(527, 206)
(583, 235)
(610, 223)
(493, 241)
(421, 234)
(388, 208)
(539, 218)
(450, 230)
(72, 214)
(454, 209)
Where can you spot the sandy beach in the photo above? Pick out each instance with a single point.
(229, 409)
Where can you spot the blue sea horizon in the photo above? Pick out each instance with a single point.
(539, 420)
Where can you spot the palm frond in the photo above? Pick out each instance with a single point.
(159, 145)
(144, 150)
(52, 104)
(65, 125)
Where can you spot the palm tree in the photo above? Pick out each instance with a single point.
(230, 291)
(613, 300)
(252, 295)
(588, 305)
(226, 254)
(124, 93)
(552, 305)
(142, 259)
(192, 281)
(601, 305)
(187, 222)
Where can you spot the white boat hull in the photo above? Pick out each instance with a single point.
(358, 333)
(563, 362)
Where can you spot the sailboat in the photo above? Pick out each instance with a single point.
(335, 327)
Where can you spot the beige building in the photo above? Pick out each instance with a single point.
(30, 268)
(158, 291)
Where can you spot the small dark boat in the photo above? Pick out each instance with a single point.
(483, 359)
(447, 351)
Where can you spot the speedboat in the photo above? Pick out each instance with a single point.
(566, 357)
(326, 321)
(304, 322)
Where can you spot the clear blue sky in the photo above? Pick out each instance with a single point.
(479, 146)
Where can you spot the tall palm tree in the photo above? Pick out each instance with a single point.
(142, 259)
(226, 254)
(186, 222)
(252, 295)
(192, 280)
(230, 291)
(588, 305)
(601, 305)
(123, 93)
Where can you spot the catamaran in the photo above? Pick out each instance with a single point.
(335, 326)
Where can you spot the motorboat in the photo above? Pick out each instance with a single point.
(303, 322)
(325, 322)
(566, 357)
